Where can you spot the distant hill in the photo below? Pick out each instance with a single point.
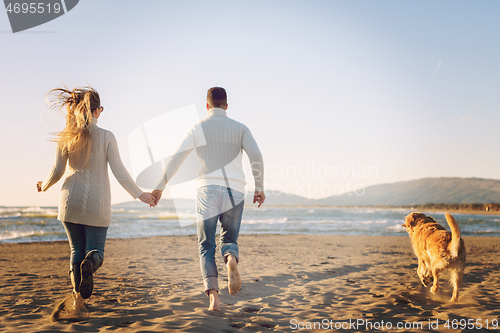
(422, 191)
(413, 192)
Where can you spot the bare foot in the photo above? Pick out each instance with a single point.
(214, 300)
(234, 283)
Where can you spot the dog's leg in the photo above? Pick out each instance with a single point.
(435, 275)
(424, 273)
(456, 280)
(428, 274)
(421, 271)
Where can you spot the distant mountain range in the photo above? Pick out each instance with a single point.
(413, 192)
(422, 191)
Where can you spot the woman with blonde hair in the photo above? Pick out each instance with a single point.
(85, 200)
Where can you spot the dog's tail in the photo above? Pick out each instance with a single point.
(455, 235)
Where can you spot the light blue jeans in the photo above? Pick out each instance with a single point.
(83, 239)
(216, 203)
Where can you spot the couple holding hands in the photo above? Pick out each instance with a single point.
(85, 200)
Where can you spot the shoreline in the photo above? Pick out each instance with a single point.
(154, 284)
(402, 235)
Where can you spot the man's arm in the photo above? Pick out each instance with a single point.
(257, 164)
(186, 147)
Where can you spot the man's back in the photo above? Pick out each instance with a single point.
(221, 157)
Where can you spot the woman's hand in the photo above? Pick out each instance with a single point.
(146, 197)
(39, 186)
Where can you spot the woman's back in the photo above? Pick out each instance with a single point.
(85, 195)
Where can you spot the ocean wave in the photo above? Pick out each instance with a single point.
(397, 227)
(161, 217)
(479, 232)
(8, 210)
(38, 209)
(365, 211)
(37, 212)
(266, 221)
(376, 221)
(168, 217)
(46, 216)
(132, 211)
(15, 234)
(329, 222)
(13, 216)
(32, 212)
(384, 221)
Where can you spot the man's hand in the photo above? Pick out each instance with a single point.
(39, 186)
(259, 197)
(157, 194)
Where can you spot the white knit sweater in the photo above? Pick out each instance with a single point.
(219, 142)
(85, 195)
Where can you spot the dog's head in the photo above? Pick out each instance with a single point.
(412, 220)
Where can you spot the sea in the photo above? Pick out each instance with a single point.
(40, 224)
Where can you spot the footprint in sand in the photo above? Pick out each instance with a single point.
(251, 309)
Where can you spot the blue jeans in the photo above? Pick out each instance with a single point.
(83, 239)
(216, 203)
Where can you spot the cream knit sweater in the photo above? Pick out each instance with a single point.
(219, 142)
(85, 195)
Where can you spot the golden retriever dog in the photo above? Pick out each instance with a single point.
(437, 250)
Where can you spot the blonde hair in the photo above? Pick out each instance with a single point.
(78, 105)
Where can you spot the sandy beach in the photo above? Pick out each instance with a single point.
(289, 282)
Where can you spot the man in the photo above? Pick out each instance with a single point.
(219, 142)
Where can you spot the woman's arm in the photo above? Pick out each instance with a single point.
(57, 171)
(119, 170)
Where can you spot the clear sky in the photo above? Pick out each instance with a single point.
(337, 94)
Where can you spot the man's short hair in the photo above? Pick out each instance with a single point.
(217, 97)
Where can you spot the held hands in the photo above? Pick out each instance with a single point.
(259, 197)
(157, 194)
(146, 197)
